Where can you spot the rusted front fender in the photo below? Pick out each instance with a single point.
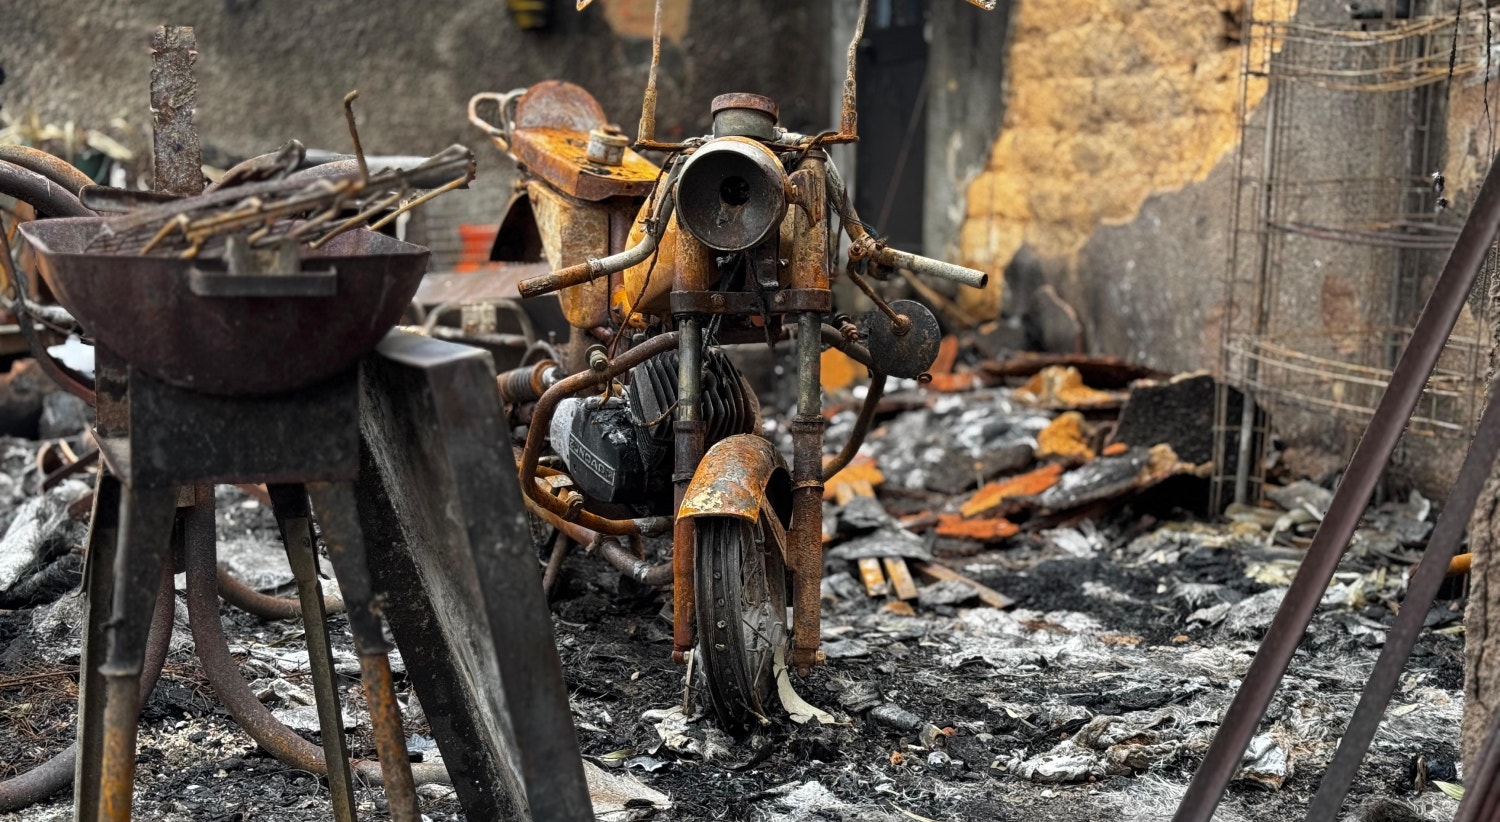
(734, 479)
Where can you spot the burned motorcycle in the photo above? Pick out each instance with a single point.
(733, 239)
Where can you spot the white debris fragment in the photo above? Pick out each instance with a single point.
(618, 797)
(35, 524)
(305, 718)
(796, 707)
(813, 801)
(1250, 617)
(1267, 761)
(1064, 763)
(680, 736)
(1075, 543)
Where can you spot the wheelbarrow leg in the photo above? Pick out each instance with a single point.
(98, 583)
(145, 546)
(337, 511)
(289, 503)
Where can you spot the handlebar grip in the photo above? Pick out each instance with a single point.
(563, 278)
(918, 264)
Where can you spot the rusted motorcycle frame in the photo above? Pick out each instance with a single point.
(732, 239)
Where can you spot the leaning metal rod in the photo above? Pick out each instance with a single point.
(1419, 596)
(248, 712)
(56, 773)
(1440, 313)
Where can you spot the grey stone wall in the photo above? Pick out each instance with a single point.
(273, 69)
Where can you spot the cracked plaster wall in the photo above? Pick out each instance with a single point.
(1112, 167)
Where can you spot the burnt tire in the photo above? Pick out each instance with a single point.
(740, 586)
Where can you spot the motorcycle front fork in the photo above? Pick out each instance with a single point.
(805, 537)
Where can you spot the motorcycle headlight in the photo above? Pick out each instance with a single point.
(731, 194)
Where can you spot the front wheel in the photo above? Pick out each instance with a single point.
(740, 583)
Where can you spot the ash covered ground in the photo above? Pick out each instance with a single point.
(1093, 697)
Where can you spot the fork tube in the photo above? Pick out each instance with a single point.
(690, 431)
(807, 493)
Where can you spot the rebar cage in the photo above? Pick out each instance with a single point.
(1338, 228)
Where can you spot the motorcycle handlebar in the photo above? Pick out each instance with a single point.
(918, 264)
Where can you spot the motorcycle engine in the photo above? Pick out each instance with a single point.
(619, 450)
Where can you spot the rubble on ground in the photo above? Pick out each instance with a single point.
(1070, 664)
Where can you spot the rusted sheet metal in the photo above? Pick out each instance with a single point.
(572, 233)
(561, 157)
(747, 302)
(179, 336)
(552, 123)
(558, 104)
(174, 98)
(732, 478)
(498, 283)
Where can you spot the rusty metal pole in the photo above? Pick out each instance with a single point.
(145, 547)
(807, 492)
(690, 431)
(98, 583)
(1243, 715)
(336, 508)
(289, 503)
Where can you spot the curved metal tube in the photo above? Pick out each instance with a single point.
(266, 606)
(592, 269)
(861, 355)
(224, 675)
(52, 167)
(856, 352)
(861, 427)
(56, 774)
(40, 192)
(657, 575)
(541, 420)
